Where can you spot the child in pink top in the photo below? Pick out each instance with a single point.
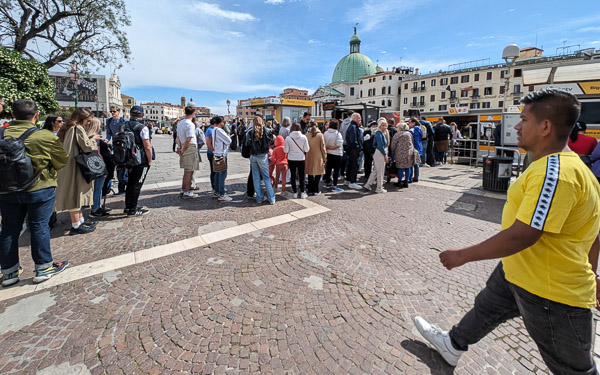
(279, 160)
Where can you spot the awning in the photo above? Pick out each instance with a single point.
(536, 76)
(575, 73)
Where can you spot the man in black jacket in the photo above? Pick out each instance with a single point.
(137, 174)
(354, 145)
(442, 135)
(305, 121)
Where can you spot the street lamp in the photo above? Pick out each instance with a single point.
(96, 98)
(74, 77)
(509, 54)
(228, 104)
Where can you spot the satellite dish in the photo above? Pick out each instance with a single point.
(511, 52)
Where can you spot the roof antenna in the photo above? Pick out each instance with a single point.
(355, 28)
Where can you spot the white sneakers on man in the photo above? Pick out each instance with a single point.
(303, 195)
(439, 339)
(355, 186)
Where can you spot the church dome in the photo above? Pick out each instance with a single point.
(354, 65)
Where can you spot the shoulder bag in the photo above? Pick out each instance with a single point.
(219, 163)
(90, 164)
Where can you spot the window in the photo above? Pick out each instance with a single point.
(464, 79)
(415, 85)
(486, 105)
(487, 91)
(405, 100)
(361, 93)
(443, 95)
(389, 90)
(399, 90)
(389, 103)
(422, 100)
(383, 101)
(390, 78)
(414, 100)
(488, 76)
(475, 105)
(518, 73)
(502, 89)
(464, 94)
(443, 81)
(476, 77)
(443, 107)
(351, 91)
(501, 104)
(406, 86)
(453, 80)
(453, 94)
(383, 91)
(384, 78)
(503, 73)
(517, 89)
(475, 93)
(531, 88)
(516, 101)
(361, 82)
(432, 98)
(422, 85)
(433, 82)
(374, 79)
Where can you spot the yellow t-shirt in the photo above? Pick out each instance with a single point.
(559, 195)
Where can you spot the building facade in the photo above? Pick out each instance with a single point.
(162, 111)
(292, 93)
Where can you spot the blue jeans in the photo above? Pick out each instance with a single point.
(38, 206)
(424, 156)
(98, 184)
(260, 167)
(122, 177)
(414, 172)
(220, 180)
(562, 333)
(402, 172)
(213, 180)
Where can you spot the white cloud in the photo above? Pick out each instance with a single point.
(216, 11)
(313, 41)
(595, 42)
(383, 52)
(374, 12)
(511, 10)
(274, 2)
(589, 29)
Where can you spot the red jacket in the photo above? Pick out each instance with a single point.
(279, 157)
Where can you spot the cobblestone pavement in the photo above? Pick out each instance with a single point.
(332, 291)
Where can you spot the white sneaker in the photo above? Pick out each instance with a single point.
(368, 187)
(189, 194)
(355, 186)
(303, 196)
(346, 182)
(439, 339)
(225, 198)
(379, 191)
(295, 195)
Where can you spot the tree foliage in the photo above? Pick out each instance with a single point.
(54, 31)
(22, 78)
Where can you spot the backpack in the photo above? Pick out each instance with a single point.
(126, 151)
(424, 131)
(16, 168)
(200, 142)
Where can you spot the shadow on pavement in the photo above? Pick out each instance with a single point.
(428, 356)
(478, 207)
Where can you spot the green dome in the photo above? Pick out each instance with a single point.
(379, 69)
(354, 38)
(352, 67)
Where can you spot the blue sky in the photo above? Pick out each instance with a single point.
(218, 50)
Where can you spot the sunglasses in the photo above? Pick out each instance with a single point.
(59, 121)
(114, 111)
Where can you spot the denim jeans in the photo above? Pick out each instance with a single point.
(402, 172)
(424, 156)
(122, 177)
(414, 172)
(38, 206)
(562, 333)
(98, 185)
(220, 180)
(260, 168)
(213, 180)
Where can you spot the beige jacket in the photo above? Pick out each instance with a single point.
(73, 191)
(316, 155)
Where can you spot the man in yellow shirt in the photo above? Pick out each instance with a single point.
(548, 244)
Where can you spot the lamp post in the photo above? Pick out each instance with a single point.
(74, 77)
(228, 104)
(96, 98)
(509, 54)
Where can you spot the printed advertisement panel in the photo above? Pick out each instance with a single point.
(65, 89)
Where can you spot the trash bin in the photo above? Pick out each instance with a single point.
(497, 171)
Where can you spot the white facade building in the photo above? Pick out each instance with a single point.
(162, 111)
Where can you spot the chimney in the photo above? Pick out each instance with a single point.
(417, 71)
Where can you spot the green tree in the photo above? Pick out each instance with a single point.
(54, 31)
(22, 78)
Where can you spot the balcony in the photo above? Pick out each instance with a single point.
(453, 100)
(416, 89)
(517, 93)
(475, 97)
(417, 104)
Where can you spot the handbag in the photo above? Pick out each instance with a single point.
(90, 164)
(219, 164)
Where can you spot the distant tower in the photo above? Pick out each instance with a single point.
(183, 101)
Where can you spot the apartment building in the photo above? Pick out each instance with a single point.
(383, 88)
(162, 111)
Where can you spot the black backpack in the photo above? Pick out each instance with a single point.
(368, 147)
(15, 165)
(126, 151)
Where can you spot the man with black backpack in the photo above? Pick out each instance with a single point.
(113, 125)
(132, 150)
(29, 160)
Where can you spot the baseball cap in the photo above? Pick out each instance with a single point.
(136, 109)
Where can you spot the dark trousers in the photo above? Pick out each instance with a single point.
(333, 164)
(344, 163)
(296, 166)
(313, 183)
(213, 180)
(250, 184)
(562, 333)
(122, 175)
(352, 165)
(37, 206)
(430, 152)
(368, 166)
(137, 176)
(174, 141)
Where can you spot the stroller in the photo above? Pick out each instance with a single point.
(390, 170)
